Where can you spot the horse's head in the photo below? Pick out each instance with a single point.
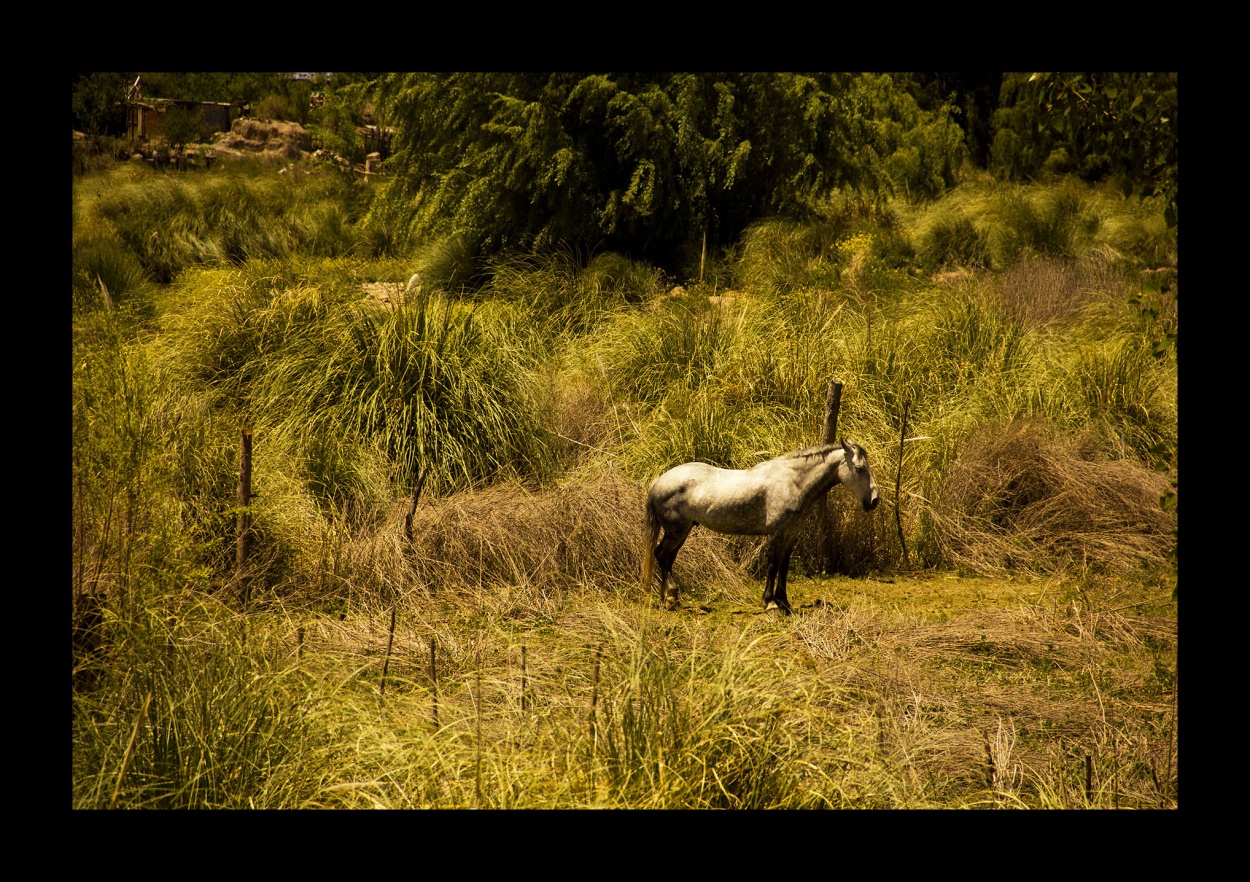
(857, 477)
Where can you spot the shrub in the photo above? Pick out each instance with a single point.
(275, 107)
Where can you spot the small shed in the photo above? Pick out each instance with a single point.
(144, 116)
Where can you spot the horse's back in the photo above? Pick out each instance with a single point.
(677, 482)
(725, 500)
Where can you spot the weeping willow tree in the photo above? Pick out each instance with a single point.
(644, 163)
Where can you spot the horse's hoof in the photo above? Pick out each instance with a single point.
(771, 605)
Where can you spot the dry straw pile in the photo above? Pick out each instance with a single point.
(585, 533)
(1021, 497)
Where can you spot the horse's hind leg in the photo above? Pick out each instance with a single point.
(778, 567)
(783, 570)
(665, 554)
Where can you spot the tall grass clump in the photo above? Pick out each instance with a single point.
(449, 264)
(567, 295)
(1056, 221)
(987, 225)
(172, 222)
(127, 519)
(776, 256)
(1137, 230)
(976, 344)
(689, 387)
(704, 426)
(950, 237)
(698, 731)
(680, 343)
(1123, 387)
(105, 273)
(192, 711)
(339, 378)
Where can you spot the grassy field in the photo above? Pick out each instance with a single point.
(1001, 632)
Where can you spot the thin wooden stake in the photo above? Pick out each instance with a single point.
(434, 681)
(522, 679)
(478, 739)
(898, 482)
(299, 654)
(1089, 780)
(386, 663)
(702, 257)
(243, 522)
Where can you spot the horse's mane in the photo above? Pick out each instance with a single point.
(815, 450)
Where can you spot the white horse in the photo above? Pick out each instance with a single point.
(768, 499)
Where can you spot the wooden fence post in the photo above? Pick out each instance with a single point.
(594, 700)
(829, 434)
(243, 523)
(390, 641)
(898, 488)
(522, 679)
(434, 682)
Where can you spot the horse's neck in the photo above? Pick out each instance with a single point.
(824, 474)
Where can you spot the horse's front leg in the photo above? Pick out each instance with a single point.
(769, 595)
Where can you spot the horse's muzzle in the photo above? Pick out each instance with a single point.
(872, 503)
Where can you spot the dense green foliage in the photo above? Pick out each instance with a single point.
(1118, 125)
(646, 164)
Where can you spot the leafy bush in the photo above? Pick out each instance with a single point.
(274, 107)
(1097, 125)
(644, 164)
(184, 125)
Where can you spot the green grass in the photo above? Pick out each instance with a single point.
(1030, 626)
(882, 695)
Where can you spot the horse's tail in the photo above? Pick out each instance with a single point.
(650, 535)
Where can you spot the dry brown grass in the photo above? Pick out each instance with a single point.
(1007, 702)
(584, 533)
(1038, 291)
(1021, 497)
